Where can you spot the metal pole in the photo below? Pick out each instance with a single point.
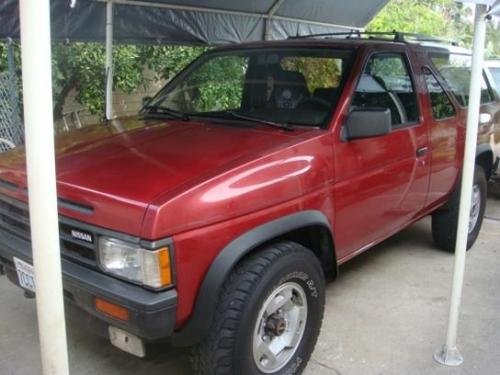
(449, 354)
(109, 59)
(40, 163)
(269, 21)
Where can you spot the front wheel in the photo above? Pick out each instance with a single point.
(445, 222)
(268, 317)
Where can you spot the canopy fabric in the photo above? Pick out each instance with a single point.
(197, 21)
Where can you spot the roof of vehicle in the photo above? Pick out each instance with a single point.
(355, 40)
(314, 42)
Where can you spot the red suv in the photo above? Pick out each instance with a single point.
(214, 217)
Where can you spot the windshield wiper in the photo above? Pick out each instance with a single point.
(284, 126)
(162, 110)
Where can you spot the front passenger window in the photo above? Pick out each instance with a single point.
(386, 83)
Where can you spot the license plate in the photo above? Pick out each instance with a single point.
(25, 274)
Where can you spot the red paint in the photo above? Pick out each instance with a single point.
(205, 184)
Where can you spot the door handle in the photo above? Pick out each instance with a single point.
(422, 151)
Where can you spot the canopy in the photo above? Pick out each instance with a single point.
(197, 21)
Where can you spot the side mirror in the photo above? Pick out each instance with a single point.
(146, 100)
(368, 123)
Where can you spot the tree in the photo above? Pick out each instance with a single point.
(436, 18)
(444, 18)
(493, 44)
(80, 66)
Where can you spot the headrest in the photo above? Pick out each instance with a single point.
(288, 77)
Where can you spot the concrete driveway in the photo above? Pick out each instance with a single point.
(386, 314)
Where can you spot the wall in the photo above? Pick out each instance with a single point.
(123, 104)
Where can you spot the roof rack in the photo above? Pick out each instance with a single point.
(394, 35)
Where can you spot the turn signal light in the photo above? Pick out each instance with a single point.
(164, 265)
(108, 308)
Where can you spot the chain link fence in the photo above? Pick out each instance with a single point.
(11, 128)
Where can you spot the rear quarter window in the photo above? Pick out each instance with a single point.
(455, 69)
(442, 108)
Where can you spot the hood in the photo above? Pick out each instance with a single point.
(115, 171)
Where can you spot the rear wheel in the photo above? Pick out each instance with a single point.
(445, 221)
(268, 317)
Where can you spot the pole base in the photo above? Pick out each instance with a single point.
(449, 357)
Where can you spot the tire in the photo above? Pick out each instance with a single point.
(445, 221)
(279, 268)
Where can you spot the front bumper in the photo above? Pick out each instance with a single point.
(152, 315)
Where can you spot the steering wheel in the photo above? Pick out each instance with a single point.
(314, 100)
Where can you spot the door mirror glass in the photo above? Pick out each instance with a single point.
(368, 123)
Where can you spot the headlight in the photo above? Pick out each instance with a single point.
(130, 261)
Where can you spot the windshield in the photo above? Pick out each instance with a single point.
(295, 86)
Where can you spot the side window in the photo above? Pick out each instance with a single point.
(486, 92)
(455, 69)
(386, 83)
(441, 105)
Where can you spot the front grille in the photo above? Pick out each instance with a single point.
(14, 219)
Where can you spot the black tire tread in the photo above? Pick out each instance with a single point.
(213, 355)
(445, 221)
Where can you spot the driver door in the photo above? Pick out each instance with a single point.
(382, 182)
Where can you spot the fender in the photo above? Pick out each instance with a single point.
(199, 323)
(481, 149)
(484, 152)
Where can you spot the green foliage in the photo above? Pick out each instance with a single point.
(444, 18)
(4, 66)
(441, 18)
(428, 17)
(167, 61)
(3, 57)
(493, 43)
(220, 84)
(318, 72)
(80, 66)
